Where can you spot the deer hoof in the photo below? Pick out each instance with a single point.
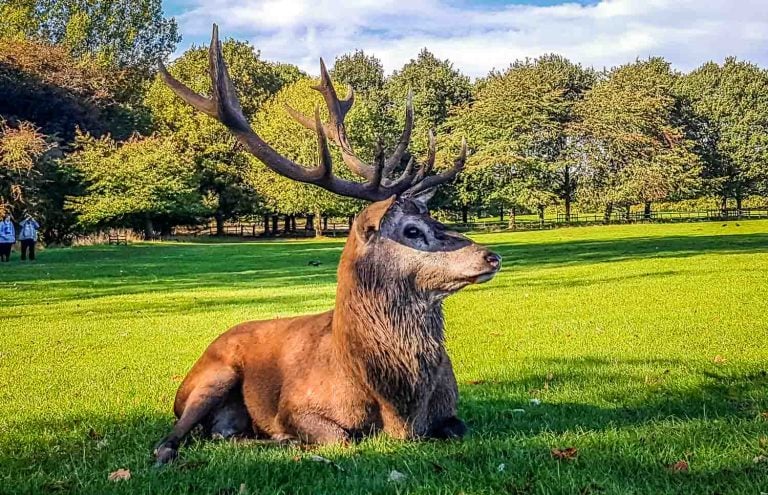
(449, 429)
(164, 455)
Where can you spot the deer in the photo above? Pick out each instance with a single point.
(375, 363)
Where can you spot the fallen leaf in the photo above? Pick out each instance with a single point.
(566, 454)
(177, 378)
(719, 359)
(120, 475)
(437, 467)
(95, 435)
(296, 458)
(397, 476)
(761, 459)
(764, 414)
(762, 442)
(242, 490)
(679, 467)
(535, 402)
(501, 467)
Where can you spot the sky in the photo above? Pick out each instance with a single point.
(481, 35)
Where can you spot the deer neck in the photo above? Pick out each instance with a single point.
(388, 334)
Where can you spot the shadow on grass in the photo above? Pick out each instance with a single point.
(107, 271)
(623, 449)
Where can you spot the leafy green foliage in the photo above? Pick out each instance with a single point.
(135, 183)
(633, 140)
(436, 86)
(45, 85)
(519, 126)
(221, 163)
(121, 33)
(730, 112)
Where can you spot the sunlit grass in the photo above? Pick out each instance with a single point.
(646, 345)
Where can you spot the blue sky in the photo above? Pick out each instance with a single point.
(481, 35)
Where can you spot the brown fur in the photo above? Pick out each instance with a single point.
(377, 362)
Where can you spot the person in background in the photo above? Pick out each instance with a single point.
(28, 237)
(7, 237)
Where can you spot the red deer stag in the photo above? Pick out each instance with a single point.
(377, 362)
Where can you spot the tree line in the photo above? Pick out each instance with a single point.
(90, 138)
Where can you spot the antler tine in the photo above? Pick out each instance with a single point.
(446, 176)
(378, 168)
(426, 167)
(324, 154)
(405, 139)
(337, 111)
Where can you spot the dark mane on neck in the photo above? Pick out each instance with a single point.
(391, 334)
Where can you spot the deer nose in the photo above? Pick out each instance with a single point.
(493, 259)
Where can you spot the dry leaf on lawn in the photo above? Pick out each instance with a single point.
(120, 475)
(566, 454)
(679, 467)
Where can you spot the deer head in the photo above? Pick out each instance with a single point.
(395, 236)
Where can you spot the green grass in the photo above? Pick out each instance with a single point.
(646, 344)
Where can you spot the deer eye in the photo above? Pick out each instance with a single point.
(413, 232)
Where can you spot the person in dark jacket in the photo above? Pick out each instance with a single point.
(28, 237)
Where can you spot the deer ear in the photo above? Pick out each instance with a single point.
(369, 220)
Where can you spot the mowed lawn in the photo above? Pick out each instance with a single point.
(646, 345)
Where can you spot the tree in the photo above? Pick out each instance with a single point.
(43, 84)
(120, 33)
(633, 139)
(22, 151)
(363, 72)
(437, 87)
(730, 109)
(143, 182)
(221, 164)
(520, 126)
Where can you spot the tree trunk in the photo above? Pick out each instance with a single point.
(310, 225)
(647, 210)
(628, 213)
(513, 218)
(287, 224)
(464, 214)
(501, 213)
(149, 229)
(325, 223)
(350, 220)
(266, 224)
(275, 219)
(607, 214)
(541, 215)
(567, 192)
(316, 224)
(293, 223)
(738, 203)
(219, 218)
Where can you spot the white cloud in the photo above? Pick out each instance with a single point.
(477, 39)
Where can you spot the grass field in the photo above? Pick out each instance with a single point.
(647, 345)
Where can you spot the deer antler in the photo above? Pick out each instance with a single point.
(224, 106)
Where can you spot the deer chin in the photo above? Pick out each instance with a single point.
(485, 277)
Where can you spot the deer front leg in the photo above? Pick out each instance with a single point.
(443, 422)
